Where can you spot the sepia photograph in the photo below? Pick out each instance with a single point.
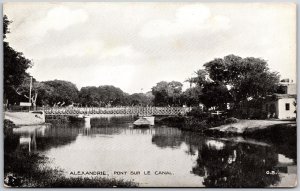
(149, 94)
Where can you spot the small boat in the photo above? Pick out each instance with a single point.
(141, 123)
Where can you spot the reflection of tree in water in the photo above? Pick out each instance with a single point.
(283, 138)
(65, 133)
(111, 121)
(172, 137)
(236, 165)
(167, 137)
(11, 142)
(55, 137)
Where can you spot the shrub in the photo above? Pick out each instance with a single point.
(260, 115)
(195, 124)
(231, 120)
(8, 127)
(176, 121)
(198, 113)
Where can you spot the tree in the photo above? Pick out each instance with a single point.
(59, 92)
(29, 84)
(88, 96)
(174, 92)
(200, 80)
(6, 22)
(167, 93)
(215, 95)
(247, 77)
(111, 95)
(15, 66)
(140, 99)
(160, 92)
(191, 96)
(102, 96)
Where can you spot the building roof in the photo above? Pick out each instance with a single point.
(280, 96)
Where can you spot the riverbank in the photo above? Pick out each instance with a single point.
(230, 127)
(250, 127)
(198, 123)
(25, 118)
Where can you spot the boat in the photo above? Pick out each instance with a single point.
(141, 123)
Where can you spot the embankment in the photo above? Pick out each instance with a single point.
(25, 118)
(250, 126)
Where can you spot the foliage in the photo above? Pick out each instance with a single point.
(27, 170)
(231, 120)
(6, 22)
(233, 79)
(197, 112)
(247, 77)
(167, 93)
(57, 92)
(140, 99)
(15, 66)
(215, 95)
(174, 121)
(191, 96)
(8, 127)
(196, 125)
(101, 96)
(85, 182)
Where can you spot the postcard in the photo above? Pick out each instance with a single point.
(149, 94)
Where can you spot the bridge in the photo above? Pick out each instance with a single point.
(141, 111)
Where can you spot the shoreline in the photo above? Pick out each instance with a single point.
(251, 128)
(247, 127)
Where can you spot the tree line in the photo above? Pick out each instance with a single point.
(221, 81)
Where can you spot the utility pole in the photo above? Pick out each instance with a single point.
(30, 87)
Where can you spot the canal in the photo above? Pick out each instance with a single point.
(160, 156)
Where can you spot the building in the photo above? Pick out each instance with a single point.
(283, 104)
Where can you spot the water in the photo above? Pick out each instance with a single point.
(160, 156)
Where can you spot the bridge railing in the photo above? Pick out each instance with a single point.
(116, 110)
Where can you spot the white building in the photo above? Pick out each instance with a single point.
(282, 106)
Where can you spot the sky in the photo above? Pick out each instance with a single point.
(133, 46)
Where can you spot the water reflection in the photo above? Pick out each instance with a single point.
(27, 136)
(167, 137)
(237, 165)
(111, 144)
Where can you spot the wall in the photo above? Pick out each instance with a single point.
(283, 114)
(291, 89)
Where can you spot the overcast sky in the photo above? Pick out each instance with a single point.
(135, 45)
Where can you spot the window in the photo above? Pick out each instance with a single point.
(287, 106)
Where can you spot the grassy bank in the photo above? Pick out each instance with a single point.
(250, 127)
(23, 169)
(199, 121)
(196, 121)
(29, 171)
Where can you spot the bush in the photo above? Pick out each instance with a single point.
(175, 121)
(8, 127)
(231, 120)
(260, 115)
(198, 113)
(195, 124)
